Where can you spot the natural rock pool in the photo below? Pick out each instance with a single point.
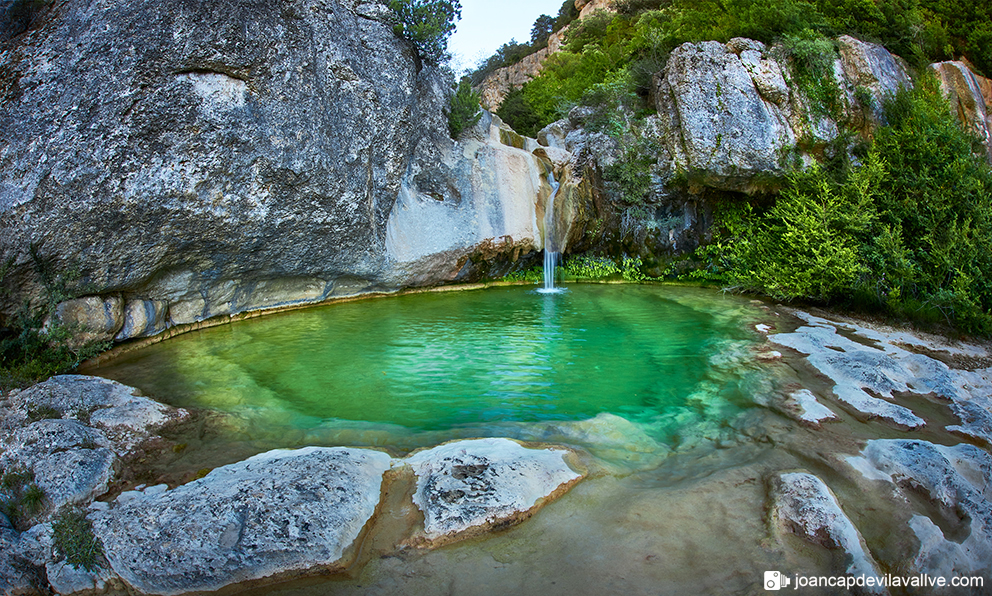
(719, 437)
(415, 370)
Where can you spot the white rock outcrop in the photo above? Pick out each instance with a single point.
(970, 96)
(731, 115)
(275, 513)
(955, 479)
(471, 486)
(807, 507)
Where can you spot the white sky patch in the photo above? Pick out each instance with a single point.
(486, 25)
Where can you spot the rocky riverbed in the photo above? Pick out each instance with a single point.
(869, 457)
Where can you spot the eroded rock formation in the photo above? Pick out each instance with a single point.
(278, 514)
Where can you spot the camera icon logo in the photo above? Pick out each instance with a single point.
(775, 580)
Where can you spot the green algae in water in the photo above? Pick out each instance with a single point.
(462, 362)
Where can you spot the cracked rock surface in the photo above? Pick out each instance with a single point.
(483, 483)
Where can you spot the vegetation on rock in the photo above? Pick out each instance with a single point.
(640, 35)
(906, 228)
(427, 24)
(464, 110)
(73, 539)
(34, 343)
(20, 497)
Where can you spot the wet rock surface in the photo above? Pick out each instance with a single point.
(805, 506)
(486, 483)
(956, 480)
(885, 506)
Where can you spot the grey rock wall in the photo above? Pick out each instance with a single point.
(970, 96)
(177, 161)
(189, 151)
(732, 117)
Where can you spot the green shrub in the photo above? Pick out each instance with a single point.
(20, 497)
(518, 113)
(908, 231)
(589, 267)
(812, 58)
(464, 110)
(534, 274)
(427, 24)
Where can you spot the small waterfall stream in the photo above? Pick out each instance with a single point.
(550, 248)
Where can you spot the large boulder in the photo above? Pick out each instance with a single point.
(277, 513)
(732, 116)
(804, 505)
(122, 417)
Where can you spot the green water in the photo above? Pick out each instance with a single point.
(464, 363)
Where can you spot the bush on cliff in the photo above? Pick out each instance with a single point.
(427, 24)
(908, 231)
(34, 345)
(641, 35)
(464, 110)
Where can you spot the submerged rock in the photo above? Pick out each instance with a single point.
(467, 487)
(273, 514)
(956, 480)
(806, 506)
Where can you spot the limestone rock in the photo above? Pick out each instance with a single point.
(588, 7)
(473, 485)
(718, 125)
(122, 417)
(68, 579)
(806, 506)
(857, 369)
(70, 462)
(142, 318)
(17, 575)
(485, 201)
(730, 119)
(956, 479)
(275, 513)
(870, 67)
(98, 319)
(970, 96)
(807, 408)
(171, 153)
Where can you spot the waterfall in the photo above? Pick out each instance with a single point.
(550, 249)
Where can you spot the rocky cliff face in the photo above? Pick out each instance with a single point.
(194, 159)
(730, 118)
(733, 118)
(970, 96)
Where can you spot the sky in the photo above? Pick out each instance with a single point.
(488, 24)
